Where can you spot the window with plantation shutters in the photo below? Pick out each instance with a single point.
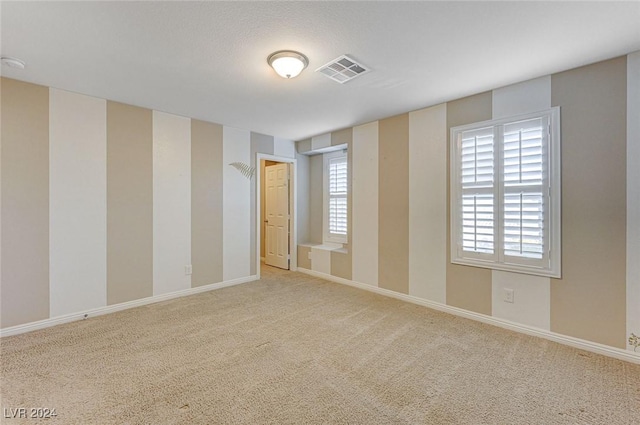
(505, 194)
(336, 197)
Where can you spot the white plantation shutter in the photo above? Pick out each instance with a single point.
(506, 194)
(336, 164)
(524, 166)
(477, 223)
(524, 225)
(477, 159)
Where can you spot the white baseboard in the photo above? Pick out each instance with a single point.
(582, 344)
(41, 324)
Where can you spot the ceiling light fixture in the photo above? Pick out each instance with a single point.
(287, 63)
(12, 62)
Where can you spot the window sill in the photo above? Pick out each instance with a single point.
(508, 268)
(327, 246)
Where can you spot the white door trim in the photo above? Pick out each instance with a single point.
(293, 237)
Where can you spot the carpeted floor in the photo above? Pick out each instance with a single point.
(292, 349)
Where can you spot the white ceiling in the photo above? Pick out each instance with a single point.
(207, 60)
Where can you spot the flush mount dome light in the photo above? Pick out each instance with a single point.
(287, 63)
(12, 62)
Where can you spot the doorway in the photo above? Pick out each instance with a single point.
(276, 212)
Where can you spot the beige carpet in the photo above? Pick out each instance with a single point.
(292, 349)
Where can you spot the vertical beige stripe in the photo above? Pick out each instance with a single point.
(303, 257)
(467, 287)
(633, 195)
(25, 203)
(341, 263)
(206, 203)
(129, 203)
(342, 137)
(428, 203)
(393, 204)
(589, 301)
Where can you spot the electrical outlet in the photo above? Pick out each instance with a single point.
(188, 269)
(508, 295)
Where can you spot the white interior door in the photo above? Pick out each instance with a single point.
(277, 216)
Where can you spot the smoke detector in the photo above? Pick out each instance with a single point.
(343, 69)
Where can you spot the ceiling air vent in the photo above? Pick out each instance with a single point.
(343, 69)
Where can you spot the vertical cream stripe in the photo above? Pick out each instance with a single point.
(78, 202)
(1, 138)
(206, 203)
(522, 98)
(365, 204)
(589, 302)
(428, 203)
(393, 204)
(236, 203)
(467, 287)
(171, 202)
(531, 305)
(129, 203)
(260, 143)
(633, 195)
(25, 203)
(316, 207)
(342, 260)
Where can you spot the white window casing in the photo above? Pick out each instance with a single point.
(335, 197)
(505, 194)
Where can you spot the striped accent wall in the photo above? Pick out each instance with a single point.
(393, 203)
(428, 203)
(236, 218)
(633, 197)
(589, 302)
(78, 206)
(532, 305)
(171, 202)
(401, 166)
(206, 203)
(364, 185)
(129, 203)
(467, 287)
(25, 203)
(104, 203)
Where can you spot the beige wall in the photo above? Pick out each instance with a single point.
(129, 203)
(589, 301)
(206, 203)
(393, 205)
(303, 257)
(25, 203)
(467, 287)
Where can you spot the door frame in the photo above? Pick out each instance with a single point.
(293, 237)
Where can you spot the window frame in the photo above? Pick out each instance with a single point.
(329, 237)
(550, 264)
